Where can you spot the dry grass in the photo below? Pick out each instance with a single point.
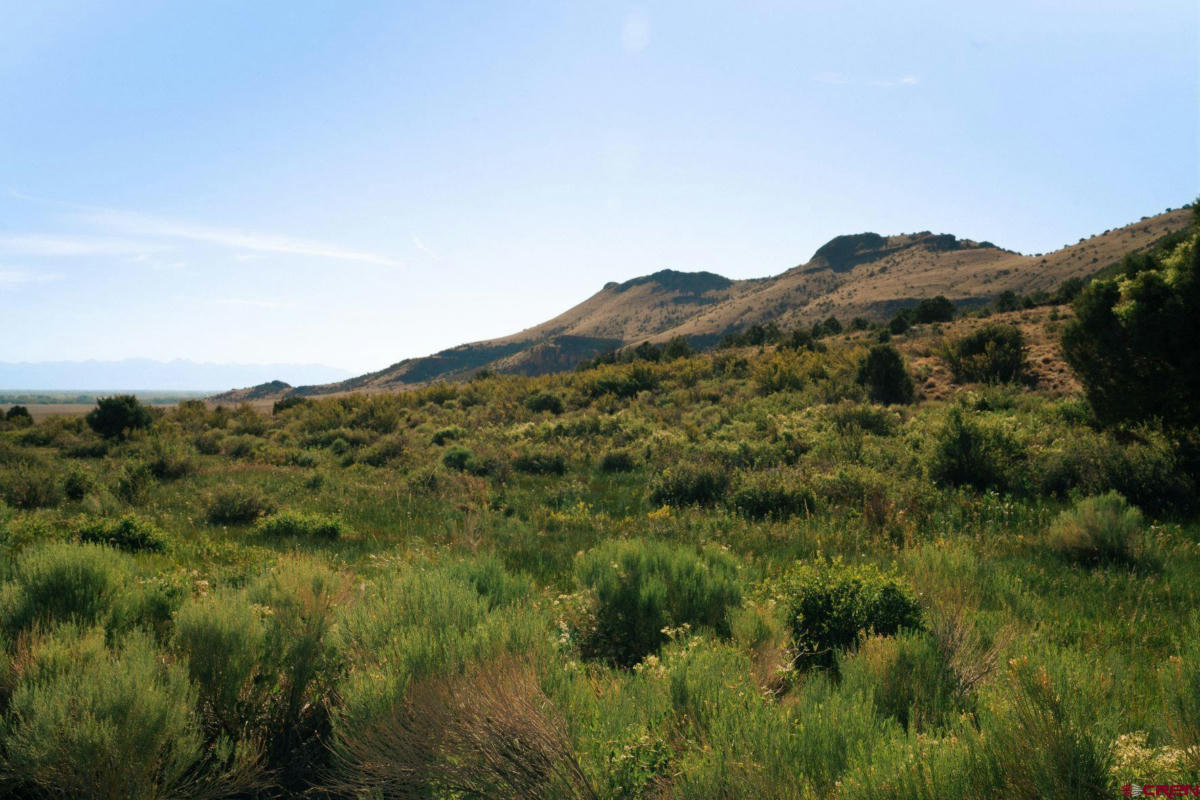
(489, 734)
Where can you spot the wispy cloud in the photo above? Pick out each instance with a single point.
(253, 303)
(906, 80)
(141, 225)
(15, 276)
(841, 79)
(73, 245)
(424, 248)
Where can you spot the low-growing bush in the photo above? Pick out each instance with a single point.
(129, 533)
(1098, 530)
(88, 722)
(540, 463)
(775, 494)
(299, 523)
(237, 505)
(642, 587)
(62, 582)
(169, 460)
(459, 458)
(30, 485)
(617, 461)
(994, 353)
(965, 452)
(222, 638)
(685, 484)
(387, 450)
(449, 434)
(829, 607)
(134, 482)
(77, 484)
(545, 401)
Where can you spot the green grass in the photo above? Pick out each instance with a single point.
(616, 574)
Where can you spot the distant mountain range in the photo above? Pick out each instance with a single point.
(864, 274)
(145, 374)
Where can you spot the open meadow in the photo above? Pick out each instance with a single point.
(775, 569)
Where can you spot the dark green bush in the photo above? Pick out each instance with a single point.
(994, 353)
(642, 587)
(684, 484)
(934, 309)
(387, 450)
(883, 372)
(1097, 531)
(774, 494)
(448, 435)
(169, 460)
(540, 463)
(77, 484)
(545, 401)
(623, 380)
(830, 606)
(617, 461)
(129, 533)
(965, 452)
(237, 505)
(459, 458)
(115, 417)
(30, 484)
(299, 523)
(1132, 342)
(134, 482)
(18, 416)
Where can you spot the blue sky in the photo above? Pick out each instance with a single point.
(355, 182)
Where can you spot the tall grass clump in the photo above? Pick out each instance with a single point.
(684, 484)
(62, 582)
(129, 533)
(222, 638)
(539, 463)
(170, 459)
(237, 505)
(1097, 531)
(30, 484)
(85, 721)
(300, 524)
(908, 679)
(489, 733)
(831, 606)
(772, 495)
(641, 587)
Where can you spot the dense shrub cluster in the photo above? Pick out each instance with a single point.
(994, 353)
(830, 607)
(643, 588)
(689, 484)
(299, 523)
(129, 533)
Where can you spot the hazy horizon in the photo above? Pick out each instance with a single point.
(281, 183)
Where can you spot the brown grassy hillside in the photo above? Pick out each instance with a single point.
(866, 275)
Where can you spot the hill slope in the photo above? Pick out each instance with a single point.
(864, 274)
